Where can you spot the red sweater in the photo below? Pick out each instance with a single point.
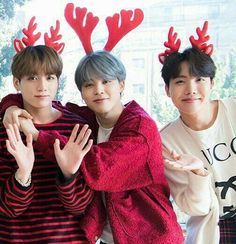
(129, 169)
(38, 214)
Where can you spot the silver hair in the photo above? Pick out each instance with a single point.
(99, 65)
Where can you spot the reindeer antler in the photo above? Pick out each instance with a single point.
(202, 40)
(173, 44)
(52, 41)
(84, 32)
(31, 37)
(116, 33)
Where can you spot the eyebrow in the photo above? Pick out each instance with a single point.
(180, 76)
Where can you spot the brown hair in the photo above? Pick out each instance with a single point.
(35, 59)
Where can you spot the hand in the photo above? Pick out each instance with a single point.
(27, 127)
(70, 157)
(187, 162)
(12, 115)
(24, 155)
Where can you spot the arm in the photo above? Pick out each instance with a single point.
(15, 199)
(17, 192)
(10, 100)
(74, 193)
(131, 158)
(192, 193)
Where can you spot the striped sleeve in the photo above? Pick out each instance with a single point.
(15, 199)
(74, 194)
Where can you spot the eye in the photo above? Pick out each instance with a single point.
(87, 84)
(179, 82)
(106, 81)
(51, 77)
(201, 80)
(32, 77)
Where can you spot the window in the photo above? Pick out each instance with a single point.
(139, 49)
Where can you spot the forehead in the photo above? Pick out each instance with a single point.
(184, 68)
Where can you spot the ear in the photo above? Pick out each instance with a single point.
(122, 86)
(16, 83)
(167, 90)
(212, 83)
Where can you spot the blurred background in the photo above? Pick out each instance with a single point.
(138, 50)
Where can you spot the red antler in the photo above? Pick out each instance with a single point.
(115, 32)
(52, 41)
(172, 44)
(201, 42)
(31, 37)
(83, 32)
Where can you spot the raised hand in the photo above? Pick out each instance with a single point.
(12, 115)
(187, 162)
(24, 154)
(70, 157)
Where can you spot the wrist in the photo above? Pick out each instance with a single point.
(22, 176)
(23, 181)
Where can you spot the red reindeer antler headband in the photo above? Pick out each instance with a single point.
(116, 32)
(200, 43)
(31, 38)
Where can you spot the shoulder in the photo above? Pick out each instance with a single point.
(171, 128)
(136, 117)
(228, 102)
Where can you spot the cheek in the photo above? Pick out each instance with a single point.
(85, 95)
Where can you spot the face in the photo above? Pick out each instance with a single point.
(37, 91)
(189, 94)
(102, 96)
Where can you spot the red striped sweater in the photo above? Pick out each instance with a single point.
(35, 214)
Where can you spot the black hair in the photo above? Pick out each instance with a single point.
(200, 64)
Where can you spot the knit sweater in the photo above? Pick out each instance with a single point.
(37, 214)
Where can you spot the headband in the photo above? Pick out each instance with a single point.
(31, 37)
(128, 19)
(173, 44)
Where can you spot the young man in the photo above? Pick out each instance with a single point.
(205, 129)
(32, 202)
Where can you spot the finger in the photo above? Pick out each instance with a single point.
(84, 140)
(9, 147)
(15, 119)
(192, 167)
(177, 166)
(169, 162)
(17, 132)
(175, 155)
(29, 140)
(25, 114)
(74, 133)
(11, 135)
(6, 123)
(81, 134)
(56, 146)
(88, 146)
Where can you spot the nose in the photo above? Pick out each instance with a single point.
(191, 87)
(42, 84)
(99, 88)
